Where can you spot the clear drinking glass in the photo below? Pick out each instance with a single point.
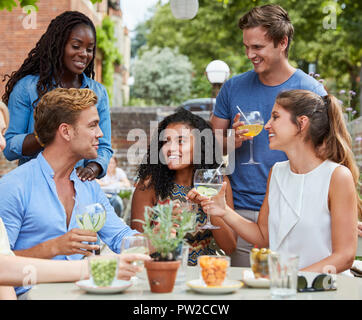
(184, 257)
(92, 217)
(254, 122)
(283, 274)
(135, 244)
(208, 182)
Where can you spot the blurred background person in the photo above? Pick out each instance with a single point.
(112, 183)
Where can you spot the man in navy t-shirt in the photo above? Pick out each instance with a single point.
(267, 33)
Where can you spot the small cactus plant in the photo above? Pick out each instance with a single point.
(172, 229)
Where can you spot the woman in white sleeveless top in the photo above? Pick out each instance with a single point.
(311, 204)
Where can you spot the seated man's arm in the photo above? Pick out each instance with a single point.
(68, 244)
(13, 210)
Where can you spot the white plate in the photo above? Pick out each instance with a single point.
(227, 287)
(256, 283)
(117, 286)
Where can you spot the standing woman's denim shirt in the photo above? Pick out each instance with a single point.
(22, 120)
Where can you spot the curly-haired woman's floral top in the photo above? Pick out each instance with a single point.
(201, 241)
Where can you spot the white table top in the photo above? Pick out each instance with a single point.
(349, 288)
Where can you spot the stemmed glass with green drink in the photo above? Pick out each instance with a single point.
(92, 217)
(208, 182)
(254, 122)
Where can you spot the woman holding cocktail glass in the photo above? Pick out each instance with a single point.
(171, 176)
(311, 204)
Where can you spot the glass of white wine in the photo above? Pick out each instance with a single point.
(254, 122)
(135, 244)
(208, 182)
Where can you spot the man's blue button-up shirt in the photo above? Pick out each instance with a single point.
(21, 123)
(32, 212)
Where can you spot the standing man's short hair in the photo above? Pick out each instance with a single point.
(274, 19)
(60, 106)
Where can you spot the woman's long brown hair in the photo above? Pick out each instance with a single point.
(327, 130)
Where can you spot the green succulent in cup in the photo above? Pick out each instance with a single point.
(165, 241)
(94, 222)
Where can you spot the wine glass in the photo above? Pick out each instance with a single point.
(254, 122)
(92, 217)
(135, 244)
(208, 182)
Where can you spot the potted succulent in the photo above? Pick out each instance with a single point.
(166, 238)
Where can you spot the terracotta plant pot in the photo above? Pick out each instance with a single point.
(162, 275)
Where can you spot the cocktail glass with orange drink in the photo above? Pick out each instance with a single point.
(254, 122)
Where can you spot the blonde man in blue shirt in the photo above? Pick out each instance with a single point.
(44, 193)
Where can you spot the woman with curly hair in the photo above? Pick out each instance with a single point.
(169, 176)
(63, 57)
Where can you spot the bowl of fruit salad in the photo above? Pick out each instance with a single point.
(213, 269)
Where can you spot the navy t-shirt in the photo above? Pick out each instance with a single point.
(248, 182)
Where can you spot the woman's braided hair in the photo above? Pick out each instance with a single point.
(46, 58)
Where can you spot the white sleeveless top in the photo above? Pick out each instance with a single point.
(299, 218)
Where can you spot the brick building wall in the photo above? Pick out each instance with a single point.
(128, 144)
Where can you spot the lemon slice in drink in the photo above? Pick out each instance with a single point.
(142, 250)
(87, 222)
(100, 222)
(206, 191)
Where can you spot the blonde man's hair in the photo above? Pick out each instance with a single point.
(5, 112)
(60, 106)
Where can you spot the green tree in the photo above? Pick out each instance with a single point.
(162, 76)
(106, 44)
(140, 39)
(214, 34)
(10, 4)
